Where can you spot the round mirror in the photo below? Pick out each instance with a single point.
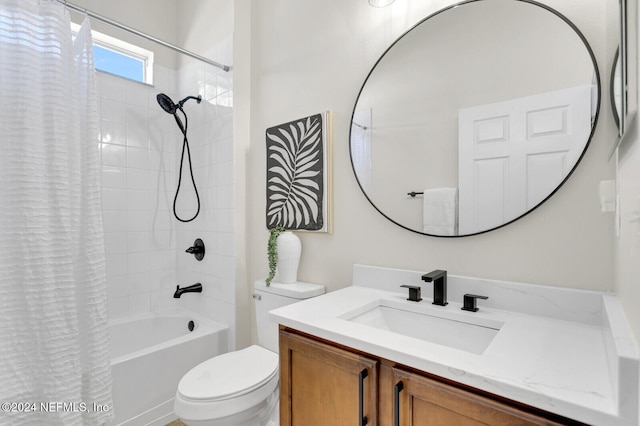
(474, 117)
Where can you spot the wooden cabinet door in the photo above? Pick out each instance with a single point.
(424, 401)
(322, 385)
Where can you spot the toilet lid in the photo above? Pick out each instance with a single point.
(229, 375)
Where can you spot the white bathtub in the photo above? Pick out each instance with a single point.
(150, 354)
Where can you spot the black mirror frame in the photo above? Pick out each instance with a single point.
(588, 142)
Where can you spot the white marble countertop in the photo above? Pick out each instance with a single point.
(569, 352)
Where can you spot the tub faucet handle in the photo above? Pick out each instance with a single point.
(197, 249)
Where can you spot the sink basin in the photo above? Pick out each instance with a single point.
(424, 322)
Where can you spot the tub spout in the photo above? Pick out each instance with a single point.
(195, 288)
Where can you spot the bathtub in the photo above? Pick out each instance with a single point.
(150, 354)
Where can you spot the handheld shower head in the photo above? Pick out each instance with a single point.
(166, 103)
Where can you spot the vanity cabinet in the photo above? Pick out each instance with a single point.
(424, 401)
(325, 384)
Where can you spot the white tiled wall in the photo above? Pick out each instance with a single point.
(211, 139)
(140, 152)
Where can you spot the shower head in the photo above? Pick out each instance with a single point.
(167, 104)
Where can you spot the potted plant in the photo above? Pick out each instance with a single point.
(272, 252)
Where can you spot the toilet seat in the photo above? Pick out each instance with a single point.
(227, 384)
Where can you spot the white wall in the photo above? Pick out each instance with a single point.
(309, 57)
(627, 266)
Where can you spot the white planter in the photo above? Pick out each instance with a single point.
(289, 249)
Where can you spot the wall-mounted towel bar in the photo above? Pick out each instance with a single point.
(413, 193)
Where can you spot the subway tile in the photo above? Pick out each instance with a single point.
(161, 201)
(114, 177)
(138, 179)
(139, 283)
(115, 242)
(117, 286)
(113, 132)
(113, 155)
(113, 198)
(117, 307)
(139, 221)
(156, 240)
(137, 125)
(117, 264)
(114, 220)
(161, 259)
(137, 158)
(137, 200)
(162, 224)
(112, 87)
(139, 303)
(137, 136)
(138, 94)
(112, 110)
(137, 241)
(138, 262)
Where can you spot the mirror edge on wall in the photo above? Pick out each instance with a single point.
(626, 58)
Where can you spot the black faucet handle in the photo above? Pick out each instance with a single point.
(414, 292)
(469, 302)
(197, 250)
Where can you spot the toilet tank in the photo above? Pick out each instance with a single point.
(275, 296)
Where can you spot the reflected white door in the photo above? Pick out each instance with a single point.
(513, 154)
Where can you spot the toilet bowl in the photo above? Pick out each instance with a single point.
(231, 388)
(240, 388)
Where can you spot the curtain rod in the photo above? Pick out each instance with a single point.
(141, 34)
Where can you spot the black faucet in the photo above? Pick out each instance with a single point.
(195, 288)
(439, 279)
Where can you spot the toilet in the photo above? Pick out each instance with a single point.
(240, 388)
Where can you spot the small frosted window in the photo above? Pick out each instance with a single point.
(120, 58)
(118, 63)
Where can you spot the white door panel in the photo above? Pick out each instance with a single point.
(513, 154)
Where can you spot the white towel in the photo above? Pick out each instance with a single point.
(440, 211)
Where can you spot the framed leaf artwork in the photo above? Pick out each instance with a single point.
(299, 174)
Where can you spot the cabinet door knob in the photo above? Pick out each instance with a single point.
(396, 403)
(362, 419)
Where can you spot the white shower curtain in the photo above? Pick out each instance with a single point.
(54, 355)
